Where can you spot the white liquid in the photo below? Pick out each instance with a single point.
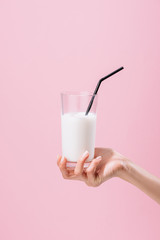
(78, 135)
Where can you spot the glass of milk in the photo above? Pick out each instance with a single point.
(78, 130)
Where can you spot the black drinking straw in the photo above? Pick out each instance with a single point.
(97, 87)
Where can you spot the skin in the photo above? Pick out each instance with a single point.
(108, 163)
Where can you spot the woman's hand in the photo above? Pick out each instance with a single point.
(106, 164)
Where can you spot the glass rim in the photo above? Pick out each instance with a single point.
(77, 93)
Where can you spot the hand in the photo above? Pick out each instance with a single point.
(106, 164)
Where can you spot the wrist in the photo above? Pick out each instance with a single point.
(125, 168)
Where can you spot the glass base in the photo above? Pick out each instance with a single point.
(73, 164)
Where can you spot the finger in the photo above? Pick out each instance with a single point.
(91, 169)
(80, 164)
(58, 159)
(63, 168)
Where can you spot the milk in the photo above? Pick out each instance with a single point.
(78, 135)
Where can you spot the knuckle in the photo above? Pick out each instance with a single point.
(88, 184)
(64, 176)
(61, 167)
(92, 185)
(77, 173)
(96, 161)
(95, 185)
(89, 171)
(60, 164)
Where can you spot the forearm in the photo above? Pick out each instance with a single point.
(142, 179)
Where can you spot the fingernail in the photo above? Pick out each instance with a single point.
(99, 158)
(62, 159)
(85, 154)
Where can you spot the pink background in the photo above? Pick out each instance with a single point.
(50, 46)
